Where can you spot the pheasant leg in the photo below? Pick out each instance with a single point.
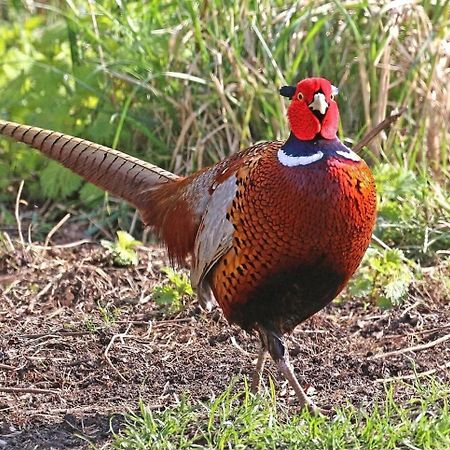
(286, 369)
(274, 343)
(256, 379)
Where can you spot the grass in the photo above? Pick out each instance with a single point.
(244, 421)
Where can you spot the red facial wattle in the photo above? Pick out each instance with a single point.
(330, 122)
(305, 125)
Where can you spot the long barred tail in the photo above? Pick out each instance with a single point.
(122, 175)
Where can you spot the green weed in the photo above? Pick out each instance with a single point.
(170, 294)
(413, 212)
(109, 315)
(385, 277)
(123, 250)
(91, 326)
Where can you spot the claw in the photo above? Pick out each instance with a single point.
(319, 412)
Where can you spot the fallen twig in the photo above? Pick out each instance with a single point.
(8, 241)
(415, 348)
(69, 245)
(416, 333)
(17, 390)
(88, 408)
(39, 295)
(413, 376)
(8, 279)
(172, 322)
(368, 137)
(55, 229)
(108, 347)
(17, 215)
(236, 345)
(54, 334)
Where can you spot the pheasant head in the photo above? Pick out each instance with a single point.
(313, 111)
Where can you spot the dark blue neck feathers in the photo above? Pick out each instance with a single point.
(295, 147)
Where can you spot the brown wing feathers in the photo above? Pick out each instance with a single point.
(122, 175)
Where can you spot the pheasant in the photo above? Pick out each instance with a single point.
(274, 231)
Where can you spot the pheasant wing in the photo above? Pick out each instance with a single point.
(215, 233)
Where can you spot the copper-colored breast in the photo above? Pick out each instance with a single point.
(300, 233)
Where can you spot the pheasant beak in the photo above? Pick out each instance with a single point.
(319, 103)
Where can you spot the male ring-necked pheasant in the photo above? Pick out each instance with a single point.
(275, 231)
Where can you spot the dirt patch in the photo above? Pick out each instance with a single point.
(82, 341)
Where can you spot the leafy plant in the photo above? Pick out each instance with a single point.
(91, 326)
(123, 249)
(385, 275)
(413, 212)
(171, 293)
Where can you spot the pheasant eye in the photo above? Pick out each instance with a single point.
(332, 97)
(300, 96)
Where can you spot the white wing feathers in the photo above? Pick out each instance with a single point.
(215, 234)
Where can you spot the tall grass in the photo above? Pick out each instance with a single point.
(189, 82)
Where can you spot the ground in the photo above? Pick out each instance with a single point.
(81, 341)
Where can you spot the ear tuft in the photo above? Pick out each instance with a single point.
(334, 90)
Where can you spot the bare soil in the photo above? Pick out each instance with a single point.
(82, 341)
